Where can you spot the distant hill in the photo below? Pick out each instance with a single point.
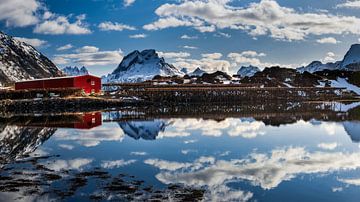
(21, 61)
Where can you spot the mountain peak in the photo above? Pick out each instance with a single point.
(351, 60)
(140, 66)
(248, 71)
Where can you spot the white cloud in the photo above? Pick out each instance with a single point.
(87, 49)
(138, 36)
(330, 57)
(250, 58)
(32, 41)
(138, 153)
(128, 2)
(173, 54)
(222, 34)
(328, 40)
(65, 47)
(328, 146)
(213, 56)
(355, 4)
(58, 24)
(89, 57)
(190, 141)
(116, 163)
(266, 17)
(190, 47)
(185, 36)
(19, 13)
(206, 64)
(114, 26)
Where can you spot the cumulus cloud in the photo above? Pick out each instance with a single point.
(19, 13)
(213, 56)
(128, 2)
(328, 40)
(354, 4)
(116, 163)
(330, 57)
(114, 26)
(87, 49)
(190, 47)
(173, 54)
(328, 146)
(89, 56)
(65, 47)
(59, 24)
(208, 64)
(250, 58)
(32, 41)
(138, 36)
(266, 17)
(185, 36)
(222, 34)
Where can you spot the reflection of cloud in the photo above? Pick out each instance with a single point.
(355, 181)
(190, 141)
(166, 165)
(74, 164)
(66, 146)
(328, 146)
(336, 189)
(267, 171)
(116, 163)
(91, 137)
(247, 128)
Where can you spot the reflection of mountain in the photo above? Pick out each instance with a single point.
(18, 141)
(353, 130)
(147, 130)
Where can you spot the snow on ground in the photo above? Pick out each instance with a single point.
(342, 107)
(343, 83)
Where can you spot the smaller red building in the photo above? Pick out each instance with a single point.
(90, 84)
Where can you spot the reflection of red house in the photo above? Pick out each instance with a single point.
(90, 84)
(89, 120)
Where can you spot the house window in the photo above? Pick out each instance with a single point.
(93, 120)
(93, 83)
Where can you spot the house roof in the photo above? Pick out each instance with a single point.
(56, 78)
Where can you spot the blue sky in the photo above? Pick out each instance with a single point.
(211, 34)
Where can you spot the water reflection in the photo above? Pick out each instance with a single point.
(219, 153)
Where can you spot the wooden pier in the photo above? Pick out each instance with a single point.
(190, 93)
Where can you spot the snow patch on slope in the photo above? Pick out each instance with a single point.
(343, 83)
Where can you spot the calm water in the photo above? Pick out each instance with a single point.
(263, 157)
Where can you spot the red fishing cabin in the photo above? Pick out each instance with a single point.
(90, 84)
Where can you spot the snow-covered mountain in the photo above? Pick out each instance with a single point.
(248, 71)
(351, 60)
(141, 66)
(75, 71)
(317, 66)
(197, 72)
(21, 61)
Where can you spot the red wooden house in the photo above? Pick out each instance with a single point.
(90, 84)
